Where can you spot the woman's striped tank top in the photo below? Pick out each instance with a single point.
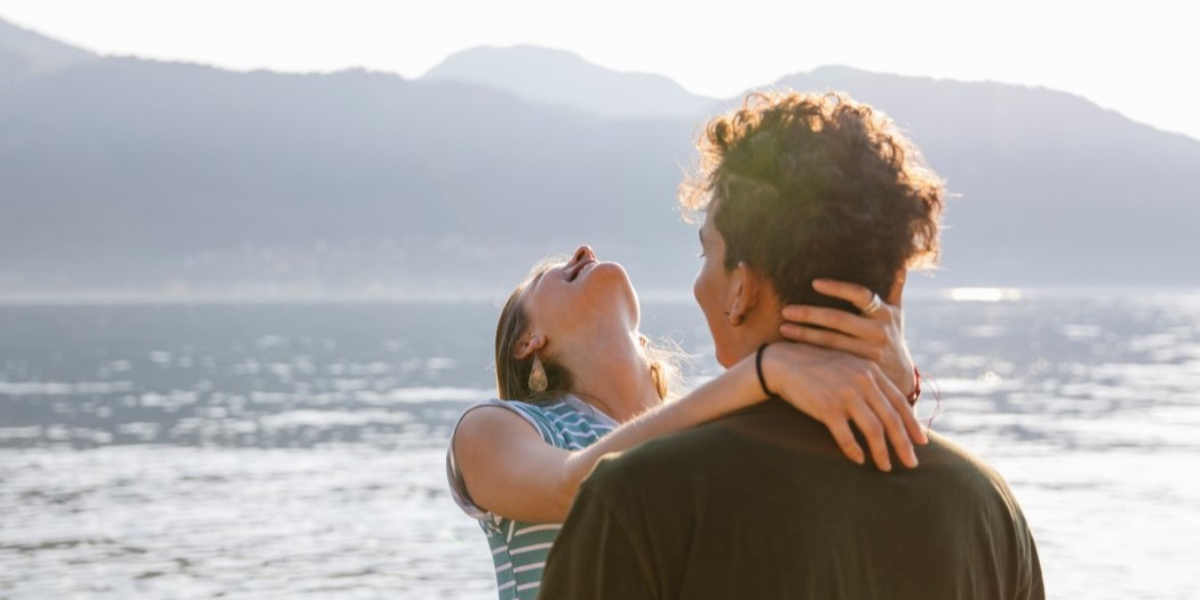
(519, 549)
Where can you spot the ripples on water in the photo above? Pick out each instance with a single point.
(296, 451)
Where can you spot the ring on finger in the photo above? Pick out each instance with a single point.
(873, 306)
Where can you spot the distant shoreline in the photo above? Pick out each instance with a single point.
(366, 297)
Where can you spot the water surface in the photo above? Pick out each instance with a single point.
(259, 451)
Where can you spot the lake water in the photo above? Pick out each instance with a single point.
(273, 450)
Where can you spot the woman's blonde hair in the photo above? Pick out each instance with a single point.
(512, 373)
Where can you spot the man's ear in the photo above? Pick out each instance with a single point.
(897, 291)
(528, 345)
(744, 289)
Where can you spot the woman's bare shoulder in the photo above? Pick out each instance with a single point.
(486, 432)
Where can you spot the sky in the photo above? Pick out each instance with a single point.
(1139, 58)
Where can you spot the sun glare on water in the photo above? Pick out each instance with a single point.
(982, 294)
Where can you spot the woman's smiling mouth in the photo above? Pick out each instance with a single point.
(584, 256)
(574, 271)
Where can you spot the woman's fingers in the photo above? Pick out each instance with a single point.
(870, 328)
(866, 421)
(894, 425)
(831, 340)
(841, 390)
(850, 292)
(845, 439)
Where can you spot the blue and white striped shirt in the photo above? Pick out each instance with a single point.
(519, 549)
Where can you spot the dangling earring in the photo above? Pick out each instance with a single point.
(537, 376)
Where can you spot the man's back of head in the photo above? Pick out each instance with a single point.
(805, 186)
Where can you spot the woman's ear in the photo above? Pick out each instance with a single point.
(528, 345)
(897, 291)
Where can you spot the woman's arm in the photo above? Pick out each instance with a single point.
(509, 470)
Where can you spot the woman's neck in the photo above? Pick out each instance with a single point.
(612, 373)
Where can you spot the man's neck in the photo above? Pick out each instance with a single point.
(760, 327)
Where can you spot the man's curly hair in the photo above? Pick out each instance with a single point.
(805, 186)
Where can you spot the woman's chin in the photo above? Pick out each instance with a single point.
(611, 269)
(610, 280)
(607, 274)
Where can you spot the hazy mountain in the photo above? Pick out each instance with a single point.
(36, 53)
(1052, 187)
(123, 172)
(119, 172)
(564, 79)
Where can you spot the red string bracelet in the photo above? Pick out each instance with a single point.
(916, 393)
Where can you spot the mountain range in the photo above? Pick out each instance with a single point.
(119, 173)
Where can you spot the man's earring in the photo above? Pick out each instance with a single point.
(537, 376)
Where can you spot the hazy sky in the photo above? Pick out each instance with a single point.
(1140, 58)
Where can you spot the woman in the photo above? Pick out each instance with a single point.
(577, 380)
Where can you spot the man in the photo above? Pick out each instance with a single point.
(761, 504)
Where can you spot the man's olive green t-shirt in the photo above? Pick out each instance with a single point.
(763, 504)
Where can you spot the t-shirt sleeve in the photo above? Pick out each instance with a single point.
(595, 557)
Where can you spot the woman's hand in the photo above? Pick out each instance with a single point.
(878, 337)
(837, 388)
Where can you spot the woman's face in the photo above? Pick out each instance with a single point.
(580, 299)
(712, 289)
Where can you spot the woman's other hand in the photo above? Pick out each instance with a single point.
(838, 388)
(878, 337)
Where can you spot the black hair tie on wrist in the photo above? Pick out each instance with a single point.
(762, 381)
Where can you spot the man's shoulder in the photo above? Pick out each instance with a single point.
(753, 443)
(653, 459)
(971, 473)
(682, 461)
